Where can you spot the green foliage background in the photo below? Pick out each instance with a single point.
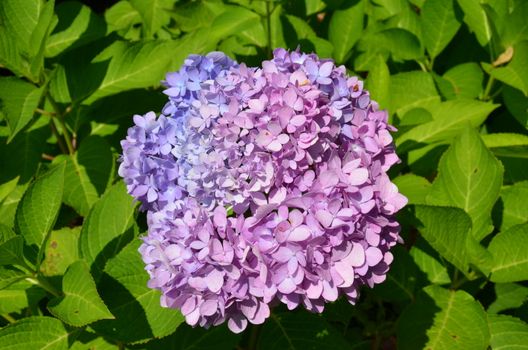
(452, 73)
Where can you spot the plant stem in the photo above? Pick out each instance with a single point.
(55, 133)
(268, 28)
(43, 112)
(487, 90)
(44, 284)
(254, 336)
(422, 66)
(430, 64)
(9, 318)
(60, 118)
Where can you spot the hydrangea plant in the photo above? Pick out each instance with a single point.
(252, 198)
(263, 185)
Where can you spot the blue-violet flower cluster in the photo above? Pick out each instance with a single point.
(263, 185)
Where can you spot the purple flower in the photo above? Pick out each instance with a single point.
(263, 185)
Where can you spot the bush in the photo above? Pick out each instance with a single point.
(451, 73)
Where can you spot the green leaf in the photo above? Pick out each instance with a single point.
(414, 187)
(155, 14)
(509, 296)
(507, 332)
(233, 20)
(314, 6)
(450, 118)
(378, 82)
(133, 65)
(403, 279)
(121, 15)
(197, 42)
(301, 28)
(345, 29)
(466, 80)
(255, 35)
(470, 178)
(515, 27)
(277, 32)
(510, 255)
(517, 104)
(514, 205)
(18, 101)
(516, 72)
(507, 144)
(100, 241)
(410, 90)
(90, 340)
(8, 187)
(402, 44)
(443, 319)
(435, 271)
(35, 333)
(10, 275)
(439, 24)
(39, 207)
(191, 16)
(197, 338)
(11, 247)
(88, 173)
(37, 43)
(80, 305)
(9, 205)
(77, 25)
(61, 251)
(476, 19)
(22, 155)
(447, 230)
(10, 55)
(18, 296)
(20, 19)
(300, 330)
(139, 315)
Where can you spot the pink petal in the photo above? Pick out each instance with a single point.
(188, 306)
(214, 281)
(263, 312)
(326, 69)
(287, 286)
(298, 120)
(289, 97)
(193, 317)
(296, 217)
(300, 234)
(324, 217)
(374, 256)
(237, 323)
(196, 122)
(283, 254)
(264, 138)
(208, 307)
(313, 291)
(256, 105)
(220, 217)
(278, 196)
(329, 291)
(346, 271)
(285, 114)
(274, 146)
(283, 138)
(358, 176)
(356, 257)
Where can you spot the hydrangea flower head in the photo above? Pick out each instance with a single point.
(263, 185)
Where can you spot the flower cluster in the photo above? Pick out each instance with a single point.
(263, 185)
